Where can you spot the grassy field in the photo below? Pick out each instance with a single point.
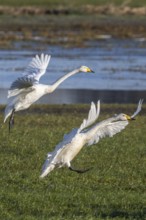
(114, 189)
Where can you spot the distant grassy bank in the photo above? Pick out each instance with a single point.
(114, 188)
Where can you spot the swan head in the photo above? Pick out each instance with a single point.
(123, 117)
(85, 69)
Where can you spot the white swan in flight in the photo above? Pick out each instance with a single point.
(26, 90)
(86, 134)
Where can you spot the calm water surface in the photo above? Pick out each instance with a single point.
(119, 65)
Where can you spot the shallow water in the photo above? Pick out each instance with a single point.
(119, 65)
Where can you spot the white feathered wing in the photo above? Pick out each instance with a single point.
(139, 107)
(50, 162)
(92, 116)
(110, 127)
(33, 72)
(107, 130)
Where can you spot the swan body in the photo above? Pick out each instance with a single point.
(26, 90)
(86, 134)
(25, 99)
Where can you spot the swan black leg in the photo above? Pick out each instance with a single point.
(79, 171)
(11, 121)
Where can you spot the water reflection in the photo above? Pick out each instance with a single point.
(63, 96)
(72, 96)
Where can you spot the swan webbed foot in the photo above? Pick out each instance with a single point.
(80, 171)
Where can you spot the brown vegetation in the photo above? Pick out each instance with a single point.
(68, 26)
(109, 9)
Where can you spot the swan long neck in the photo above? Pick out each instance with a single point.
(60, 80)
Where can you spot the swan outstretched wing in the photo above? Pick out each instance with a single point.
(38, 66)
(47, 166)
(92, 116)
(138, 108)
(34, 71)
(107, 130)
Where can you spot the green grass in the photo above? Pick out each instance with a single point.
(113, 189)
(75, 3)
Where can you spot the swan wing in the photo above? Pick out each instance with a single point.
(92, 116)
(37, 67)
(68, 137)
(15, 92)
(34, 71)
(139, 107)
(107, 130)
(47, 166)
(53, 157)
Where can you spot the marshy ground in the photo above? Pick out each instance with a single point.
(70, 24)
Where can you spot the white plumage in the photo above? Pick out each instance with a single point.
(26, 90)
(73, 142)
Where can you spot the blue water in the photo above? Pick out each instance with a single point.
(118, 64)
